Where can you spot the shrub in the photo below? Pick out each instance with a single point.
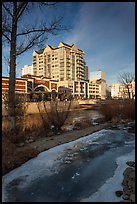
(128, 109)
(57, 113)
(13, 157)
(20, 108)
(122, 109)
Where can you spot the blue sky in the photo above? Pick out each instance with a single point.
(105, 31)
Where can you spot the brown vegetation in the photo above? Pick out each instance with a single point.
(12, 156)
(57, 113)
(121, 109)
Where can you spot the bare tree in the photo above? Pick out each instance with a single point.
(21, 37)
(126, 78)
(56, 111)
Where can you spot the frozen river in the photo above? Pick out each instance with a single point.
(88, 169)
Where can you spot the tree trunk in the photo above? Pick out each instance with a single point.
(12, 73)
(128, 93)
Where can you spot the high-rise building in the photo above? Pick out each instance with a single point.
(97, 85)
(62, 63)
(27, 70)
(86, 72)
(97, 75)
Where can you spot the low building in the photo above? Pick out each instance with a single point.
(115, 90)
(97, 85)
(35, 83)
(20, 85)
(94, 90)
(121, 91)
(79, 89)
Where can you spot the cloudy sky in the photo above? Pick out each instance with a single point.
(105, 31)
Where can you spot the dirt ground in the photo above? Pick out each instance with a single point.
(52, 141)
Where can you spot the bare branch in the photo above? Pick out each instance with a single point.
(43, 28)
(7, 9)
(126, 78)
(21, 8)
(21, 49)
(9, 40)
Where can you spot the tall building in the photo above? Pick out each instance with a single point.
(97, 75)
(86, 72)
(27, 70)
(62, 63)
(97, 85)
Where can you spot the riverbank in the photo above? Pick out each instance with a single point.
(127, 194)
(14, 155)
(74, 170)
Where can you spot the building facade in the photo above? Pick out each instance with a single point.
(20, 85)
(40, 83)
(27, 69)
(97, 85)
(97, 75)
(79, 89)
(62, 63)
(121, 91)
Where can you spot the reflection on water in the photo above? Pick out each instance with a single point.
(88, 114)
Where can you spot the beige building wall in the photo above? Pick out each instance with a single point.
(97, 89)
(78, 88)
(115, 90)
(62, 63)
(93, 90)
(120, 90)
(27, 69)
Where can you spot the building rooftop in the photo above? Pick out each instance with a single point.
(53, 48)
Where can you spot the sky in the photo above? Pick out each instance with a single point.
(105, 31)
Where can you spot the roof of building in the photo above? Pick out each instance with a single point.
(70, 45)
(40, 51)
(66, 44)
(53, 48)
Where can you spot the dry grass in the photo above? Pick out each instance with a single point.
(32, 123)
(121, 109)
(12, 156)
(74, 105)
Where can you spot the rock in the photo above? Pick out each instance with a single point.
(131, 183)
(133, 187)
(119, 193)
(130, 163)
(21, 144)
(94, 123)
(126, 190)
(127, 171)
(125, 197)
(31, 140)
(125, 181)
(132, 197)
(27, 141)
(132, 175)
